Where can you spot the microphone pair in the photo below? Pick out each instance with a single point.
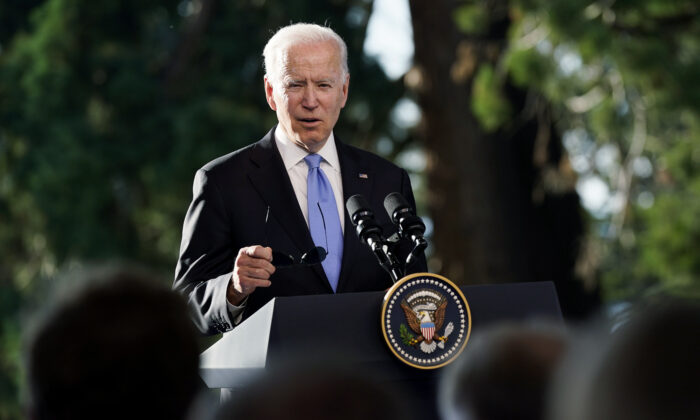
(410, 227)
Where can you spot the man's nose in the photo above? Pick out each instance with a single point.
(310, 99)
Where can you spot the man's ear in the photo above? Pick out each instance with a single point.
(346, 86)
(269, 94)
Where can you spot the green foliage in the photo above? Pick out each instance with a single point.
(667, 249)
(607, 123)
(472, 18)
(671, 233)
(527, 69)
(488, 103)
(10, 369)
(406, 337)
(626, 75)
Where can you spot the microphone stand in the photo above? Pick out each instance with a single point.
(390, 263)
(420, 245)
(381, 249)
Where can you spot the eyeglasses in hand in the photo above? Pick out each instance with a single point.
(281, 259)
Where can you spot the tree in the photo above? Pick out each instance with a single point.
(629, 111)
(497, 173)
(527, 102)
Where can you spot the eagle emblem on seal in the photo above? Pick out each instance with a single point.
(425, 315)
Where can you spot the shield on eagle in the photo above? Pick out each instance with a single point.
(428, 330)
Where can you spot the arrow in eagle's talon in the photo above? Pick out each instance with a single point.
(415, 341)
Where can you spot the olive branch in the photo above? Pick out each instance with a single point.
(406, 337)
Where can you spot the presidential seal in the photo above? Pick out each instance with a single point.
(426, 320)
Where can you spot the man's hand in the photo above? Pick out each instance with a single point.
(252, 269)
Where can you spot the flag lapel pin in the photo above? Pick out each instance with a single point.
(363, 176)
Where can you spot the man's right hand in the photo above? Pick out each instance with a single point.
(252, 269)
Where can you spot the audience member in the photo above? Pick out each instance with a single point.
(504, 374)
(121, 347)
(310, 391)
(647, 369)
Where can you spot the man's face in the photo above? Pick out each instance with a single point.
(310, 93)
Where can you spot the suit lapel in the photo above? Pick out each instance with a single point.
(272, 182)
(357, 179)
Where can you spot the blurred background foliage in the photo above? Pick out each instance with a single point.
(623, 77)
(593, 98)
(559, 140)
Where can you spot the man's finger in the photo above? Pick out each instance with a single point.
(257, 251)
(258, 263)
(248, 284)
(254, 273)
(259, 283)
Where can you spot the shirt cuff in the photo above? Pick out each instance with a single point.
(235, 312)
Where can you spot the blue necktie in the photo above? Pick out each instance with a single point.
(320, 194)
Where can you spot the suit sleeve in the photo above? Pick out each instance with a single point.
(206, 257)
(420, 265)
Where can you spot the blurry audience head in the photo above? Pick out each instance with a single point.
(504, 374)
(649, 368)
(119, 346)
(311, 391)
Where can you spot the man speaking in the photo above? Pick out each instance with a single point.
(259, 215)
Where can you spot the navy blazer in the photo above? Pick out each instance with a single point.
(231, 195)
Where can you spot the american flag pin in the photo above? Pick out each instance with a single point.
(363, 176)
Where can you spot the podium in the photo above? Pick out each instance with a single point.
(349, 327)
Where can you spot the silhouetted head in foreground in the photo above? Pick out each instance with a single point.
(649, 368)
(311, 391)
(503, 374)
(121, 347)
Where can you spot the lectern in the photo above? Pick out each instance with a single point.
(349, 325)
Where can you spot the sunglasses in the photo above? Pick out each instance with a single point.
(313, 256)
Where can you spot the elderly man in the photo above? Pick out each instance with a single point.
(286, 193)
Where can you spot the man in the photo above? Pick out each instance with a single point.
(286, 193)
(645, 369)
(120, 346)
(304, 389)
(504, 375)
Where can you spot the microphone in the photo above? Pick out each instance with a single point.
(363, 219)
(370, 233)
(410, 225)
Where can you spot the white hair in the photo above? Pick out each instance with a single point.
(275, 52)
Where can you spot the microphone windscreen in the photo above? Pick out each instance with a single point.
(357, 203)
(393, 202)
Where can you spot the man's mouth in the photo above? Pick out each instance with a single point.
(309, 122)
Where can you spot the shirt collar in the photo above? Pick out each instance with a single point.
(293, 154)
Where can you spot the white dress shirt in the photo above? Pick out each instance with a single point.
(297, 169)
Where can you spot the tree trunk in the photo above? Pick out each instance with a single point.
(503, 203)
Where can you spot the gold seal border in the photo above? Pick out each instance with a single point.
(383, 318)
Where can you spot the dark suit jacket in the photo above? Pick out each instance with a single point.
(231, 195)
